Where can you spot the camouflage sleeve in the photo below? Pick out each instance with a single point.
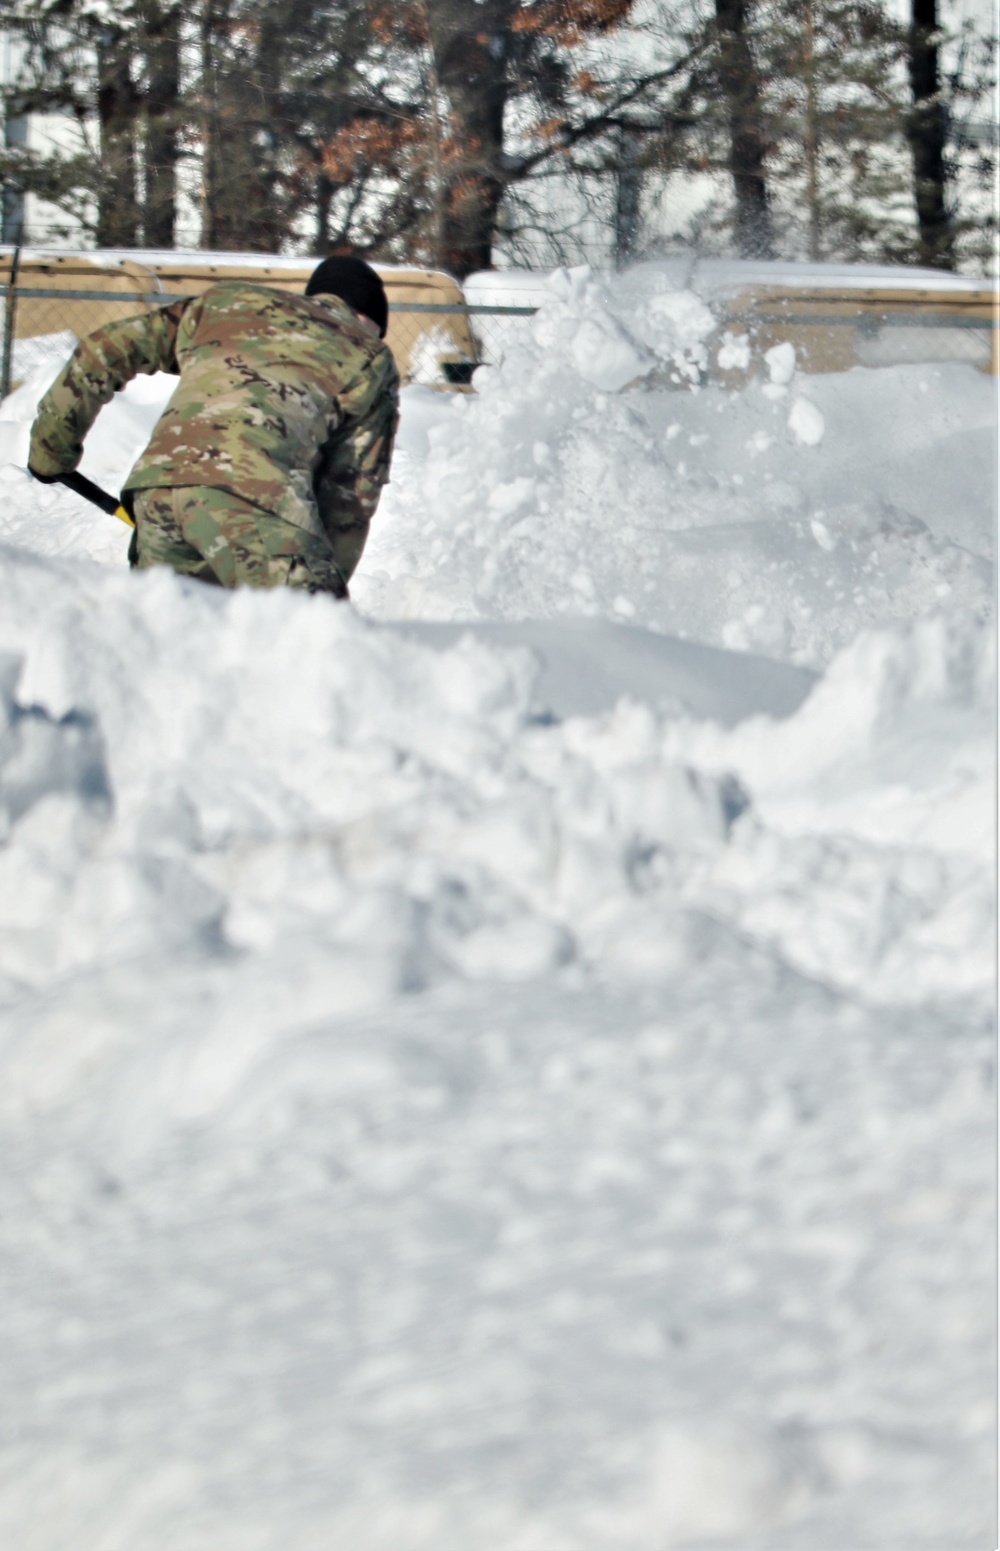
(101, 364)
(355, 465)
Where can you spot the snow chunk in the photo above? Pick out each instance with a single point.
(578, 327)
(710, 1485)
(734, 352)
(806, 422)
(603, 354)
(677, 324)
(780, 363)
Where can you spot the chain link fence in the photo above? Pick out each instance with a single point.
(433, 358)
(440, 344)
(871, 335)
(437, 345)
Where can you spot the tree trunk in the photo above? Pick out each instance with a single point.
(628, 199)
(812, 133)
(161, 45)
(324, 199)
(15, 133)
(117, 106)
(741, 89)
(927, 130)
(439, 192)
(209, 24)
(470, 44)
(265, 214)
(241, 131)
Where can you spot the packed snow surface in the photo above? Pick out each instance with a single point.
(507, 1065)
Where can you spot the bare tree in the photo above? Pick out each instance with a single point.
(436, 130)
(518, 95)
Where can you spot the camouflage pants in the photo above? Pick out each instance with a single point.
(219, 538)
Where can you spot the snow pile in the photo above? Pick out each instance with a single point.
(782, 518)
(338, 784)
(881, 789)
(241, 832)
(523, 1083)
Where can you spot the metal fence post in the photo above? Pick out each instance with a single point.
(8, 325)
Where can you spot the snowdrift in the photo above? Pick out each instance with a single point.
(493, 1066)
(187, 768)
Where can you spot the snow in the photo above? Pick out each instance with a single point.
(506, 287)
(807, 425)
(780, 363)
(899, 340)
(549, 494)
(507, 1065)
(716, 277)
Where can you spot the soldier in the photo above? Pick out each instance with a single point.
(267, 464)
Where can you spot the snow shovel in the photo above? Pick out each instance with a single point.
(91, 492)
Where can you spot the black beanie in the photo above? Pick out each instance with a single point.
(356, 283)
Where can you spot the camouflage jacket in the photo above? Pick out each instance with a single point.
(287, 402)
